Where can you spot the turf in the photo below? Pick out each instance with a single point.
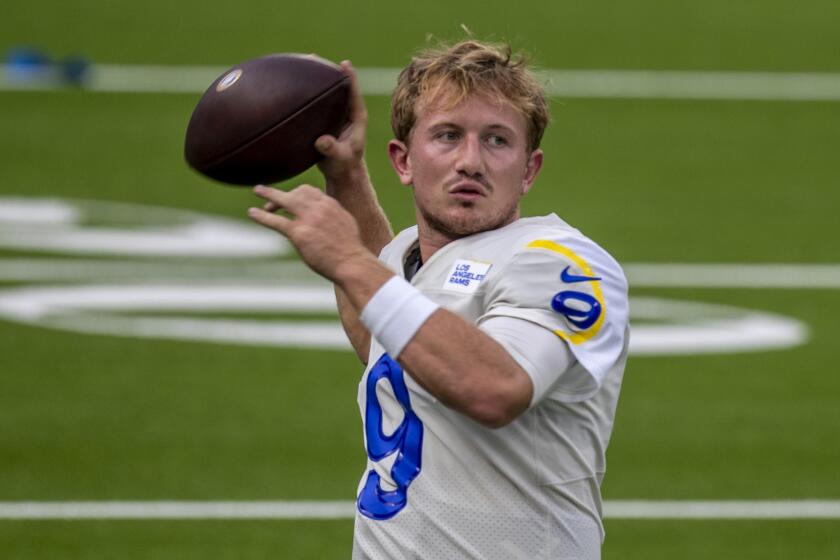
(327, 540)
(91, 417)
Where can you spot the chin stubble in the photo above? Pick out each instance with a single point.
(463, 226)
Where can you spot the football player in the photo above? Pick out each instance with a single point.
(494, 344)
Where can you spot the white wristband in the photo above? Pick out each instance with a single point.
(395, 313)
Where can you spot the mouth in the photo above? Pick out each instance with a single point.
(468, 190)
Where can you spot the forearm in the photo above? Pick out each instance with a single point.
(356, 194)
(467, 370)
(455, 361)
(452, 359)
(356, 332)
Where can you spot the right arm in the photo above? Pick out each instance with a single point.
(348, 182)
(461, 365)
(357, 196)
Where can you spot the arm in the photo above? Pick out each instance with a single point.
(348, 182)
(357, 196)
(467, 370)
(346, 174)
(455, 361)
(461, 365)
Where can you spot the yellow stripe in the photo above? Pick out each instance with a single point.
(583, 336)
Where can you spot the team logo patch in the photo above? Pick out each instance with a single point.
(580, 309)
(466, 276)
(581, 303)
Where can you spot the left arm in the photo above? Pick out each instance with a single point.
(455, 361)
(467, 370)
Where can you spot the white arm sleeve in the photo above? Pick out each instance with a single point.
(545, 357)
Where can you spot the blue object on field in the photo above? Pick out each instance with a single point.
(75, 70)
(27, 63)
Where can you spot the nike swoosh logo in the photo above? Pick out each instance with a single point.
(569, 278)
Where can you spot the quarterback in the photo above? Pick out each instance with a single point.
(494, 344)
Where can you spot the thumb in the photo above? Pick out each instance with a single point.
(326, 145)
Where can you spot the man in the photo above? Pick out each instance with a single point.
(495, 345)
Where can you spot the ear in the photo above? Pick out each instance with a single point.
(532, 169)
(398, 154)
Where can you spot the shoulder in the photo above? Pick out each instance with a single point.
(558, 278)
(547, 244)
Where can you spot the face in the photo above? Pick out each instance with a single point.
(468, 165)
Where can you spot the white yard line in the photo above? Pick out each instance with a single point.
(640, 275)
(733, 275)
(209, 271)
(178, 510)
(620, 509)
(714, 509)
(651, 84)
(641, 84)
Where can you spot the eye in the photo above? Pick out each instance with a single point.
(447, 135)
(497, 141)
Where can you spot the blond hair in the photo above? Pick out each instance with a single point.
(452, 73)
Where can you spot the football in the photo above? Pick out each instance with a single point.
(257, 123)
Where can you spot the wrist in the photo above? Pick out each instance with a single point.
(360, 276)
(349, 176)
(395, 314)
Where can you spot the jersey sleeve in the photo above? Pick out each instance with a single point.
(571, 287)
(546, 359)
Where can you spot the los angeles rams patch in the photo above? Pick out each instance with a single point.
(466, 276)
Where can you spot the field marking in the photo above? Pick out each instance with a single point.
(720, 275)
(206, 271)
(613, 509)
(678, 327)
(117, 228)
(631, 84)
(640, 275)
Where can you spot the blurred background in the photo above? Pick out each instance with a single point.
(155, 346)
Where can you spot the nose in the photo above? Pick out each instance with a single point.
(470, 160)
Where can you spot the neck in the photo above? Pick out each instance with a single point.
(432, 240)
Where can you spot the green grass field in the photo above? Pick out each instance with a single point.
(92, 417)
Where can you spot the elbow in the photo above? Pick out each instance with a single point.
(360, 341)
(496, 422)
(497, 413)
(497, 406)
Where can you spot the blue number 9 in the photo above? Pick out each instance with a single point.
(406, 440)
(582, 319)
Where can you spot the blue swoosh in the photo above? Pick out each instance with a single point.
(572, 278)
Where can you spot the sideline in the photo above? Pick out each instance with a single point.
(628, 84)
(293, 510)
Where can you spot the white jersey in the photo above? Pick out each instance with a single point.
(439, 485)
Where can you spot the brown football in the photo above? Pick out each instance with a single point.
(257, 123)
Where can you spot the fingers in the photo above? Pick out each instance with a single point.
(358, 112)
(326, 144)
(275, 199)
(270, 220)
(294, 201)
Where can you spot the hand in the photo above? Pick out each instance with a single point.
(344, 155)
(325, 235)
